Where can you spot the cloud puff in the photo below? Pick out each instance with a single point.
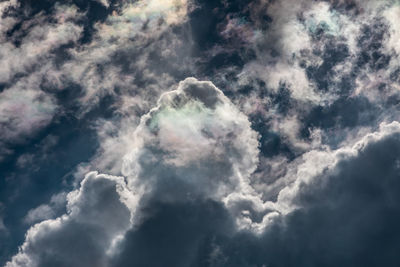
(98, 214)
(194, 144)
(46, 211)
(23, 111)
(316, 162)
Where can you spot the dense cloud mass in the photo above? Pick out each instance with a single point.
(199, 133)
(97, 217)
(194, 145)
(349, 217)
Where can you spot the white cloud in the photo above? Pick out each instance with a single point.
(195, 137)
(310, 166)
(46, 211)
(98, 214)
(41, 39)
(392, 15)
(24, 108)
(40, 213)
(196, 143)
(23, 111)
(105, 3)
(289, 38)
(6, 22)
(134, 27)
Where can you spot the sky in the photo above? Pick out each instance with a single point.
(199, 133)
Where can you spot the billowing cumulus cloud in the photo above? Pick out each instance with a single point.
(98, 214)
(185, 154)
(194, 144)
(343, 213)
(208, 155)
(351, 202)
(193, 126)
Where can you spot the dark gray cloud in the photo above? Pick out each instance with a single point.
(349, 217)
(177, 235)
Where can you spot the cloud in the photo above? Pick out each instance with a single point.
(119, 56)
(187, 147)
(347, 216)
(193, 145)
(39, 43)
(7, 22)
(225, 171)
(26, 57)
(87, 233)
(280, 49)
(104, 3)
(23, 112)
(391, 14)
(46, 211)
(204, 159)
(317, 162)
(179, 234)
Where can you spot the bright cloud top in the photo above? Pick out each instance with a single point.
(194, 144)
